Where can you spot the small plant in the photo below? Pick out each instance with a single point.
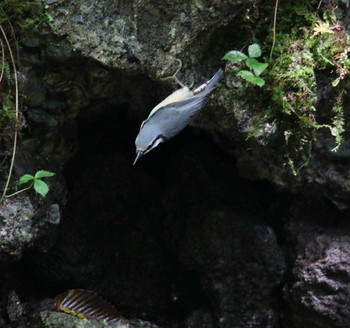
(307, 80)
(24, 16)
(34, 181)
(256, 68)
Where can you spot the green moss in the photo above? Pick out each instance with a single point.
(310, 45)
(7, 113)
(18, 20)
(338, 123)
(20, 12)
(22, 16)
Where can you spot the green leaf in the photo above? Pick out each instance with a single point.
(251, 78)
(41, 187)
(43, 174)
(25, 178)
(256, 66)
(260, 69)
(49, 17)
(258, 81)
(235, 56)
(254, 50)
(335, 82)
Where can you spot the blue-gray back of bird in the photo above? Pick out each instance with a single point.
(172, 115)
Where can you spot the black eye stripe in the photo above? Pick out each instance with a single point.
(155, 140)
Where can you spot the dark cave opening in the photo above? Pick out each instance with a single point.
(125, 203)
(152, 282)
(123, 226)
(86, 245)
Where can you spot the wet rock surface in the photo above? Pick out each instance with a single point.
(16, 226)
(181, 240)
(217, 234)
(81, 29)
(58, 320)
(143, 36)
(319, 288)
(21, 225)
(141, 241)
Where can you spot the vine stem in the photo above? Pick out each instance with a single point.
(2, 60)
(19, 191)
(17, 115)
(274, 29)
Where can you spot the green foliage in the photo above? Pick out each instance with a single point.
(251, 77)
(293, 81)
(302, 55)
(24, 16)
(17, 11)
(255, 67)
(35, 181)
(7, 117)
(338, 123)
(254, 50)
(309, 46)
(235, 56)
(7, 105)
(4, 66)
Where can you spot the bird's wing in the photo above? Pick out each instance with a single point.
(192, 104)
(178, 95)
(175, 116)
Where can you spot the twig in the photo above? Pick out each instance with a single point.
(2, 60)
(274, 29)
(15, 40)
(17, 115)
(175, 74)
(19, 191)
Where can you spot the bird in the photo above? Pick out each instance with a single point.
(173, 114)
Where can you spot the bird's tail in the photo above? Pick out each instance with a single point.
(215, 79)
(208, 86)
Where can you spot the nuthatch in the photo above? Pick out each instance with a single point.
(172, 115)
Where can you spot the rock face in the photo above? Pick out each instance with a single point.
(181, 239)
(125, 244)
(77, 65)
(58, 320)
(142, 36)
(21, 225)
(216, 235)
(318, 294)
(16, 232)
(149, 37)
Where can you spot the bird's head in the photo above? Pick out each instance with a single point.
(146, 141)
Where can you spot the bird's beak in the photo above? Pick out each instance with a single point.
(139, 154)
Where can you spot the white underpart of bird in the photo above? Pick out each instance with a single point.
(173, 114)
